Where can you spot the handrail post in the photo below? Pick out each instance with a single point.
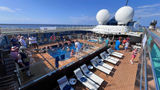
(145, 69)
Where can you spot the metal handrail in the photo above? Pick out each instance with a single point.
(155, 38)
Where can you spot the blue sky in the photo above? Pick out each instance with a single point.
(72, 11)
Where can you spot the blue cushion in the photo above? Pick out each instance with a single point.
(87, 72)
(96, 64)
(67, 87)
(83, 79)
(100, 62)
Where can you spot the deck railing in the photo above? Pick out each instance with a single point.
(152, 49)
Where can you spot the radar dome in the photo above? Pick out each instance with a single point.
(124, 15)
(102, 16)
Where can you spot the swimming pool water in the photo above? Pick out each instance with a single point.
(58, 52)
(92, 40)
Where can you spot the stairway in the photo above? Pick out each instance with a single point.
(8, 79)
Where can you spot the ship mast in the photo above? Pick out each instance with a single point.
(126, 2)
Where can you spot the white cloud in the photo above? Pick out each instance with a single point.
(3, 8)
(150, 6)
(7, 9)
(147, 11)
(83, 20)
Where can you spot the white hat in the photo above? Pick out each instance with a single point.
(13, 48)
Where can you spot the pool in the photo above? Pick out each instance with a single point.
(93, 40)
(62, 54)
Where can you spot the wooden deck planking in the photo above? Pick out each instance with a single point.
(122, 78)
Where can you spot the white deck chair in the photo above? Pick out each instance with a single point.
(84, 80)
(101, 68)
(116, 54)
(106, 58)
(110, 57)
(100, 62)
(63, 82)
(91, 75)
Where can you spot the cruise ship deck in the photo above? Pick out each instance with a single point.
(122, 77)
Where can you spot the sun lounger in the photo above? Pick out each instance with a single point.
(100, 62)
(85, 81)
(64, 84)
(110, 57)
(116, 54)
(106, 58)
(91, 75)
(99, 67)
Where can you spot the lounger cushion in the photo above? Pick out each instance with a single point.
(67, 87)
(87, 72)
(83, 79)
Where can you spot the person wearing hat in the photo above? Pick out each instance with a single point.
(14, 52)
(14, 41)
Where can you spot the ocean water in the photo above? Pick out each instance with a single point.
(37, 26)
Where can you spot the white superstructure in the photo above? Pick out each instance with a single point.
(124, 15)
(103, 16)
(110, 29)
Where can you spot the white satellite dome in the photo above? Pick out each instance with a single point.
(102, 16)
(124, 15)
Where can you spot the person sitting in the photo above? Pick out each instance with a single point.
(14, 53)
(24, 59)
(14, 41)
(72, 53)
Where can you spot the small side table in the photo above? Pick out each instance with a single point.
(72, 81)
(90, 67)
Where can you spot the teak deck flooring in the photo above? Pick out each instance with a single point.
(122, 78)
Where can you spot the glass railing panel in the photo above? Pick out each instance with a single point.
(149, 40)
(34, 71)
(155, 55)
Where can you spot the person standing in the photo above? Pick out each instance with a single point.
(33, 42)
(77, 46)
(72, 53)
(22, 41)
(126, 45)
(117, 44)
(134, 53)
(123, 42)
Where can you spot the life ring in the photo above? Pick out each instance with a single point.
(53, 37)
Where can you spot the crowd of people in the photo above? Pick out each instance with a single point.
(20, 53)
(125, 43)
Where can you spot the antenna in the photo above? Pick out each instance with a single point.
(126, 2)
